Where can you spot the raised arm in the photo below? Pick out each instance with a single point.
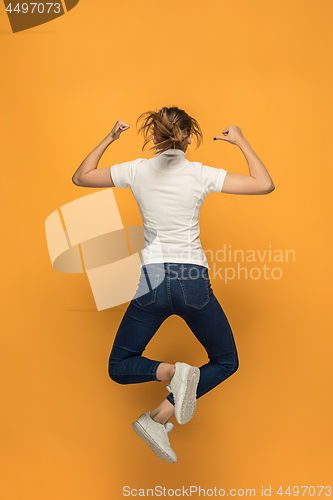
(87, 175)
(258, 181)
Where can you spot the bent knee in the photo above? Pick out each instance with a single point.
(236, 365)
(113, 373)
(227, 365)
(117, 375)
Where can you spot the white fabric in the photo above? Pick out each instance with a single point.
(169, 191)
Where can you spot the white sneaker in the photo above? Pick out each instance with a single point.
(156, 436)
(183, 386)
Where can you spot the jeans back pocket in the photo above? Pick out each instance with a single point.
(146, 292)
(195, 290)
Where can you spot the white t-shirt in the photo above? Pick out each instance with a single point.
(169, 191)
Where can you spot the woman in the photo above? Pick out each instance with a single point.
(174, 278)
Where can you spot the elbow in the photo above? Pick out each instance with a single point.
(268, 188)
(76, 181)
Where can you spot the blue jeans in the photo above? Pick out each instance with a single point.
(184, 290)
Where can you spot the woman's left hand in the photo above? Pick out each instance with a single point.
(119, 127)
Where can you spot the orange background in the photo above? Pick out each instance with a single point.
(264, 66)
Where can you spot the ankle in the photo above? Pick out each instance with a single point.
(165, 372)
(159, 417)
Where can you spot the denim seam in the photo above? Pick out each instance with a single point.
(152, 373)
(169, 293)
(155, 370)
(154, 290)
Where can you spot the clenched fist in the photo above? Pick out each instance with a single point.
(231, 134)
(119, 127)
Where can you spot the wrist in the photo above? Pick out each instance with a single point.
(242, 143)
(109, 138)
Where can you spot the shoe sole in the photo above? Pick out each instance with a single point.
(187, 405)
(151, 443)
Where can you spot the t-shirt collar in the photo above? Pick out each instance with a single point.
(170, 161)
(171, 152)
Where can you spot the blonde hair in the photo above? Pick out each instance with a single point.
(170, 126)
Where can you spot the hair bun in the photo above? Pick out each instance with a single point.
(168, 126)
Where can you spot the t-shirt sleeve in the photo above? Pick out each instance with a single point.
(123, 173)
(213, 178)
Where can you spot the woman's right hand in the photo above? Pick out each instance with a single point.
(231, 134)
(119, 127)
